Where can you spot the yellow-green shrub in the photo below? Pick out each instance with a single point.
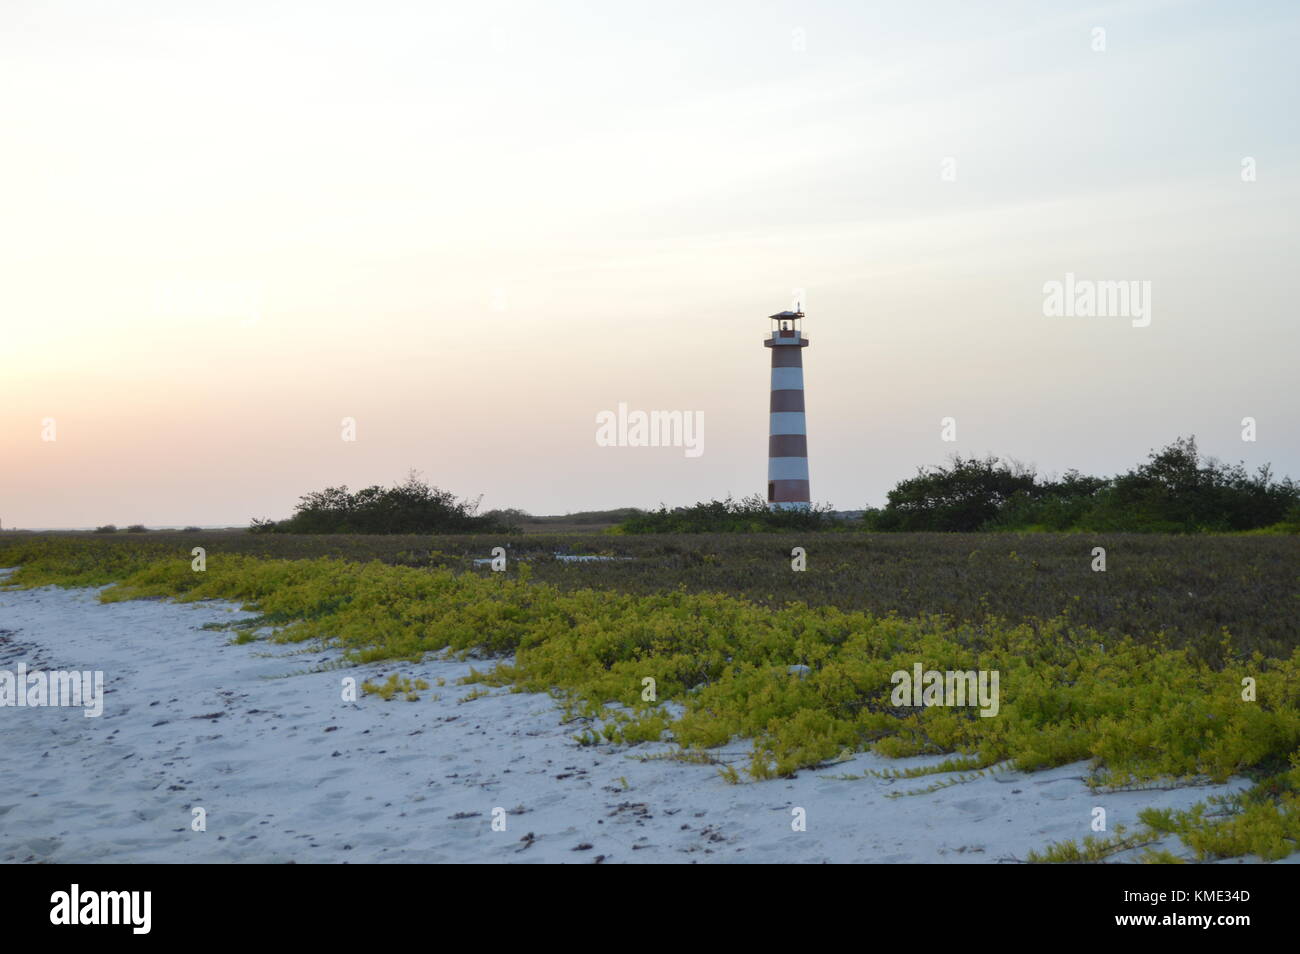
(1139, 711)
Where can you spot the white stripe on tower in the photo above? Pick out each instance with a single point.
(788, 422)
(787, 443)
(787, 379)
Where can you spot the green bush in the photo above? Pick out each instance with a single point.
(964, 496)
(1175, 491)
(748, 515)
(409, 507)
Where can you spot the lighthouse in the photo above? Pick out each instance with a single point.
(787, 442)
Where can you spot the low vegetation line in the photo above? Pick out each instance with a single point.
(804, 684)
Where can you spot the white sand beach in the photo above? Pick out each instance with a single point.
(288, 772)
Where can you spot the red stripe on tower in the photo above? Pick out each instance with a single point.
(787, 443)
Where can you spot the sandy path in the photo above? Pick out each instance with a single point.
(287, 771)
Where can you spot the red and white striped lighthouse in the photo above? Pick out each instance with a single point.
(787, 442)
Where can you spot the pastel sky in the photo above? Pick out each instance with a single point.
(224, 228)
